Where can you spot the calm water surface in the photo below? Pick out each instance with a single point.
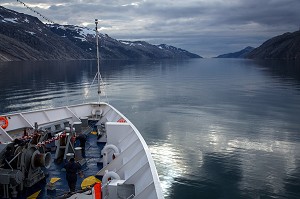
(217, 128)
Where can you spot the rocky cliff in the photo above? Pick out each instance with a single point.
(24, 37)
(286, 46)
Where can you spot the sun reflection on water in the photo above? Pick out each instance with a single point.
(171, 164)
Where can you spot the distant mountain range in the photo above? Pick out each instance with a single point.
(285, 46)
(239, 54)
(24, 37)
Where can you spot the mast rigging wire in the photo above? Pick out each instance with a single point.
(36, 12)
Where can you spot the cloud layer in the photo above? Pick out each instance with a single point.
(206, 27)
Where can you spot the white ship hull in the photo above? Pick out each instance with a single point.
(128, 167)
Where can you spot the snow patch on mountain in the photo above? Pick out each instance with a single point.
(12, 20)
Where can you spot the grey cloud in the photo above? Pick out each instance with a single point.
(268, 12)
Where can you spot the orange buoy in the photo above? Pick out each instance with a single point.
(3, 122)
(122, 120)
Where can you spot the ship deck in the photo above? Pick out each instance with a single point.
(90, 168)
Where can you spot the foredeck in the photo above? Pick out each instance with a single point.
(56, 170)
(133, 162)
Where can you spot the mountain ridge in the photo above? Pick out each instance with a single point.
(20, 42)
(24, 37)
(239, 54)
(285, 46)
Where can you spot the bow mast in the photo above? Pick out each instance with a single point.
(98, 61)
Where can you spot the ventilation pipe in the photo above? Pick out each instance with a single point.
(105, 151)
(109, 175)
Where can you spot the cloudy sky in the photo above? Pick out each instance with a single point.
(205, 27)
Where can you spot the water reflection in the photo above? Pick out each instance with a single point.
(216, 128)
(174, 163)
(288, 71)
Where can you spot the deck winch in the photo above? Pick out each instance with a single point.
(21, 163)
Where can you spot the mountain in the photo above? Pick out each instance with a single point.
(239, 54)
(24, 37)
(177, 52)
(118, 49)
(285, 46)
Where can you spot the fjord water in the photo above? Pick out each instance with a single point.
(217, 128)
